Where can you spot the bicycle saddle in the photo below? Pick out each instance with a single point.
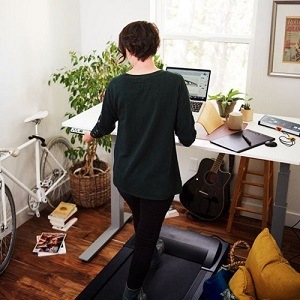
(37, 116)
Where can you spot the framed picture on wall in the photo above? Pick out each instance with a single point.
(284, 56)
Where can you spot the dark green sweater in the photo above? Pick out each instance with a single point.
(149, 109)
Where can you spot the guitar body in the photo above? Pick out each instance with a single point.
(203, 195)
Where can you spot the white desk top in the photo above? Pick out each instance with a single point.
(281, 153)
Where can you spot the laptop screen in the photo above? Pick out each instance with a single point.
(197, 81)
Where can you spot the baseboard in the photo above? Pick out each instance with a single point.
(23, 215)
(291, 218)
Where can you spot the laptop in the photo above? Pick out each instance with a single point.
(197, 82)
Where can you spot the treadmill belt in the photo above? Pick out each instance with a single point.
(171, 280)
(188, 260)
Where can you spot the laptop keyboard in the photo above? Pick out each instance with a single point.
(196, 105)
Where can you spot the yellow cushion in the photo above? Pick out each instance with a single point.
(272, 275)
(241, 284)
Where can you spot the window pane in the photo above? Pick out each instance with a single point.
(208, 17)
(227, 61)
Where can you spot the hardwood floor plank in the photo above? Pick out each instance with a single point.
(65, 276)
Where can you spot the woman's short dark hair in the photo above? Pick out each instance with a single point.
(140, 38)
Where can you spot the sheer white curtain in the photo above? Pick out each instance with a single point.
(208, 34)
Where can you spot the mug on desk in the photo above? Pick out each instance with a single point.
(234, 120)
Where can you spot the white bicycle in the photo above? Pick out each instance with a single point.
(52, 183)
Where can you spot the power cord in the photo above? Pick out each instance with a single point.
(297, 235)
(286, 139)
(294, 229)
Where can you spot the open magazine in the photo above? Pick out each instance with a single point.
(50, 244)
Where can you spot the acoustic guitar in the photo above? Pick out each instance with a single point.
(203, 195)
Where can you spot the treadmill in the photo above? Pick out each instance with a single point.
(188, 260)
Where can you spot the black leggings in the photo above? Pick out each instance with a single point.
(148, 216)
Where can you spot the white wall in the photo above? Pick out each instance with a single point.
(101, 22)
(267, 91)
(35, 38)
(36, 35)
(273, 95)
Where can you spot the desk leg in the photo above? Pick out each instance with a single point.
(279, 207)
(118, 219)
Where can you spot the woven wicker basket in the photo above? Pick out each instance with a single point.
(93, 190)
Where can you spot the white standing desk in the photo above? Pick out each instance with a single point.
(286, 156)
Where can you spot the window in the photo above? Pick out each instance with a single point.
(207, 34)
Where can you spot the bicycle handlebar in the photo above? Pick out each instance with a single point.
(14, 152)
(11, 151)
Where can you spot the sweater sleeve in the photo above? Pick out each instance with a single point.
(185, 124)
(107, 120)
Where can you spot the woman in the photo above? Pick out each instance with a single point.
(150, 105)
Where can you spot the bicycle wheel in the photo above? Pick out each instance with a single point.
(7, 233)
(50, 171)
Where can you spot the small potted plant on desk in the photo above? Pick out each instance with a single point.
(246, 110)
(226, 102)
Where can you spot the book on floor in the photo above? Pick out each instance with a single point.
(172, 212)
(63, 210)
(65, 227)
(62, 214)
(62, 249)
(49, 243)
(61, 221)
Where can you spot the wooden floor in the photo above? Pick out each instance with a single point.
(65, 276)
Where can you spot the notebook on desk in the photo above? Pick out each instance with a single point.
(197, 82)
(242, 140)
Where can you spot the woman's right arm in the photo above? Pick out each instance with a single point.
(185, 124)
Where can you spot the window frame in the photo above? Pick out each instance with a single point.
(156, 16)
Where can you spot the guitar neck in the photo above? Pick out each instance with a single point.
(215, 167)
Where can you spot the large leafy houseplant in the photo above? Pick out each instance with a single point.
(86, 81)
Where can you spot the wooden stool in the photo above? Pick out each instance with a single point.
(238, 195)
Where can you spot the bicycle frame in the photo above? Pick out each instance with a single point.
(41, 192)
(2, 183)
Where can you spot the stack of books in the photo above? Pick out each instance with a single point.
(60, 218)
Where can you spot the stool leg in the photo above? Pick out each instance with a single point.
(266, 196)
(271, 193)
(237, 192)
(245, 165)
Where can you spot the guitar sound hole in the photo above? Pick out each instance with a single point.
(211, 177)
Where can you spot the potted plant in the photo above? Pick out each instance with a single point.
(246, 109)
(86, 81)
(226, 102)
